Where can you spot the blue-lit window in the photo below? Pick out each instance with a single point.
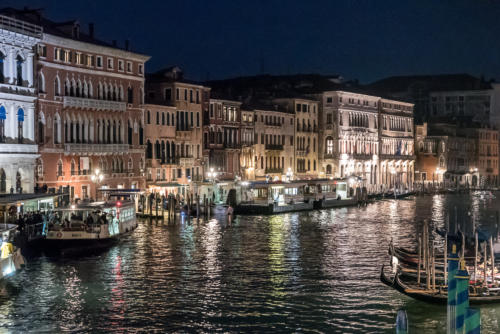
(20, 121)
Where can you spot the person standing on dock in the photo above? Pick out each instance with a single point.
(229, 215)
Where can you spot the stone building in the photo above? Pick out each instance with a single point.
(18, 151)
(306, 135)
(349, 140)
(89, 111)
(191, 100)
(161, 160)
(222, 138)
(248, 138)
(487, 156)
(274, 143)
(396, 156)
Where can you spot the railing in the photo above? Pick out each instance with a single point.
(21, 27)
(274, 170)
(15, 89)
(96, 148)
(186, 162)
(85, 103)
(277, 147)
(301, 153)
(183, 134)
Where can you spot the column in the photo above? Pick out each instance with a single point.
(29, 123)
(10, 124)
(11, 62)
(29, 69)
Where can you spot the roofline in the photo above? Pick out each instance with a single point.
(54, 39)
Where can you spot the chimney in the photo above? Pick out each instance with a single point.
(91, 30)
(127, 44)
(114, 43)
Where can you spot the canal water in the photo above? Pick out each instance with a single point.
(300, 272)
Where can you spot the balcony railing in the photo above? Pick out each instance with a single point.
(186, 162)
(274, 170)
(96, 148)
(301, 153)
(15, 89)
(84, 103)
(276, 147)
(21, 27)
(183, 134)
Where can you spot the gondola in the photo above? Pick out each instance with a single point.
(432, 296)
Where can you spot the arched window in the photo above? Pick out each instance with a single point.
(57, 129)
(19, 67)
(121, 93)
(130, 95)
(20, 121)
(73, 167)
(149, 150)
(41, 128)
(78, 90)
(57, 87)
(91, 90)
(72, 88)
(129, 133)
(3, 117)
(141, 134)
(3, 182)
(2, 62)
(41, 83)
(130, 165)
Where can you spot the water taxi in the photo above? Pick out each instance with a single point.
(88, 226)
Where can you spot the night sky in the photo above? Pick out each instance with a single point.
(367, 40)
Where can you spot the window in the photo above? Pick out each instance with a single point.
(129, 67)
(168, 94)
(110, 63)
(120, 65)
(185, 94)
(157, 118)
(329, 99)
(329, 145)
(79, 58)
(329, 118)
(90, 60)
(19, 66)
(20, 121)
(141, 68)
(130, 95)
(42, 51)
(3, 117)
(99, 61)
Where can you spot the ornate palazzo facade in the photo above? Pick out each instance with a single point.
(18, 151)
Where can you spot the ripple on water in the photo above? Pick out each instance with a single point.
(311, 272)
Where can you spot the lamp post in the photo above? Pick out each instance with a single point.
(97, 178)
(211, 176)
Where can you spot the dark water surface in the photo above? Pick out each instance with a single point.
(302, 272)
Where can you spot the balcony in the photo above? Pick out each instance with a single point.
(489, 170)
(18, 148)
(301, 153)
(274, 147)
(274, 170)
(101, 105)
(18, 90)
(95, 149)
(21, 27)
(186, 162)
(183, 134)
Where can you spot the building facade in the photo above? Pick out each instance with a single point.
(396, 156)
(222, 138)
(18, 151)
(191, 100)
(487, 156)
(161, 159)
(248, 139)
(274, 143)
(306, 163)
(89, 112)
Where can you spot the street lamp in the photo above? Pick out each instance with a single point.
(211, 176)
(97, 178)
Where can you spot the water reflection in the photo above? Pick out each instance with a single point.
(314, 271)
